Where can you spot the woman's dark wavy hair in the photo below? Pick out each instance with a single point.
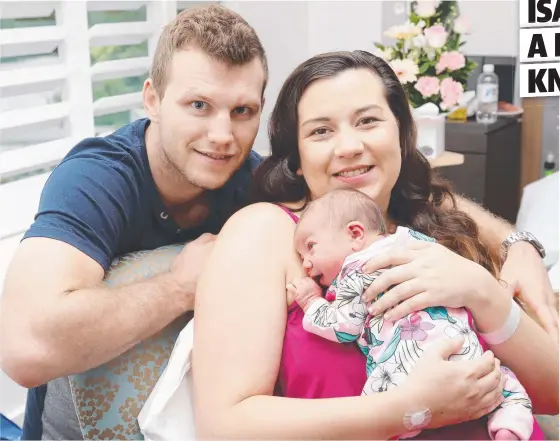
(420, 199)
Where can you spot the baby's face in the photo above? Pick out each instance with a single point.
(322, 249)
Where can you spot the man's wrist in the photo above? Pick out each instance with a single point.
(181, 294)
(516, 238)
(523, 248)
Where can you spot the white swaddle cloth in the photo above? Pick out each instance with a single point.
(168, 413)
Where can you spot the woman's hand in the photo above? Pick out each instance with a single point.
(524, 270)
(425, 274)
(454, 391)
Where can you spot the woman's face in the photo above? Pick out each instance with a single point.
(348, 136)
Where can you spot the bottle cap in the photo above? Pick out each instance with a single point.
(488, 68)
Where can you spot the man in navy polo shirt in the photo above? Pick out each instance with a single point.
(173, 177)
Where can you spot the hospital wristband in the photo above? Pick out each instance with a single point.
(507, 330)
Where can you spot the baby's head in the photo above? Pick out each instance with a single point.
(334, 226)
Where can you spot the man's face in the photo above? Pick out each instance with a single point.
(209, 116)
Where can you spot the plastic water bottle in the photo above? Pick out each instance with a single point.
(549, 164)
(487, 95)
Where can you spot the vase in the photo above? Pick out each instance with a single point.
(430, 134)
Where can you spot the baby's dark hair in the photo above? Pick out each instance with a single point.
(346, 205)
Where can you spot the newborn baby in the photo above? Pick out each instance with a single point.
(335, 236)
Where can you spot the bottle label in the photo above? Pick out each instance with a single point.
(487, 93)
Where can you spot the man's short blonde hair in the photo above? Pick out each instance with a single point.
(220, 32)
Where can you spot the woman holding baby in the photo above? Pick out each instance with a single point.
(342, 120)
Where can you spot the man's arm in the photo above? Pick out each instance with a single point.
(492, 229)
(57, 318)
(523, 268)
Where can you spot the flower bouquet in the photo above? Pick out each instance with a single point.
(428, 62)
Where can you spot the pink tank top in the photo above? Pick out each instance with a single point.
(313, 367)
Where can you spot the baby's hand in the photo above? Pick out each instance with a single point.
(304, 290)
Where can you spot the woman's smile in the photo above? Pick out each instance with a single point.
(355, 175)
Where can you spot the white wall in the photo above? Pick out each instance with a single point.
(344, 25)
(495, 27)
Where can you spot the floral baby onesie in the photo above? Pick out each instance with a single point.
(393, 348)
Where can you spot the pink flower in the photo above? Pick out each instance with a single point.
(462, 25)
(406, 70)
(451, 93)
(451, 61)
(415, 329)
(427, 86)
(436, 36)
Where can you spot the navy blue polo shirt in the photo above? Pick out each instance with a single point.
(102, 199)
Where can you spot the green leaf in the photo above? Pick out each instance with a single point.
(379, 46)
(344, 337)
(423, 68)
(507, 393)
(391, 347)
(364, 349)
(370, 365)
(439, 313)
(371, 339)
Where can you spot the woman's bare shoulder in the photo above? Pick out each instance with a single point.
(258, 217)
(267, 230)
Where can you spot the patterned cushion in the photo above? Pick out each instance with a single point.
(109, 398)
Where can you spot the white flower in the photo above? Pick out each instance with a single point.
(426, 8)
(404, 31)
(430, 53)
(386, 54)
(419, 41)
(471, 347)
(386, 377)
(351, 286)
(359, 314)
(462, 25)
(421, 24)
(406, 70)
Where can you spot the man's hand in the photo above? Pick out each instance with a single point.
(189, 264)
(304, 290)
(525, 272)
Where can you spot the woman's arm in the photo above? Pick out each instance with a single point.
(492, 229)
(239, 329)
